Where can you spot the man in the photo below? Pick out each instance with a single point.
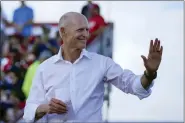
(69, 86)
(32, 70)
(23, 19)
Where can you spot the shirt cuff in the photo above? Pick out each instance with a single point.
(29, 112)
(139, 90)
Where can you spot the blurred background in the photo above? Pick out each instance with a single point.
(121, 30)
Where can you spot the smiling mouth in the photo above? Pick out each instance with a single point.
(82, 40)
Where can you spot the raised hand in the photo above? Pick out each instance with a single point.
(154, 57)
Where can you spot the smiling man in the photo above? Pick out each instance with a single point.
(69, 86)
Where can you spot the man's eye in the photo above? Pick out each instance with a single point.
(80, 30)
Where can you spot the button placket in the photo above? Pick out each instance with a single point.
(72, 86)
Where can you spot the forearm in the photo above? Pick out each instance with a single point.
(41, 111)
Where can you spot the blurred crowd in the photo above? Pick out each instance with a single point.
(22, 51)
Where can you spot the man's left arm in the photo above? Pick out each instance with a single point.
(128, 82)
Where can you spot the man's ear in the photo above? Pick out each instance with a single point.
(62, 31)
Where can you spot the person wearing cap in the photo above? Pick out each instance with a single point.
(31, 71)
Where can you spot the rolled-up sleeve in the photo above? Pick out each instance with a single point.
(139, 90)
(125, 80)
(35, 98)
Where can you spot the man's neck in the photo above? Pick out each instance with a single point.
(70, 54)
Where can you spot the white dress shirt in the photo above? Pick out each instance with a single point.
(80, 85)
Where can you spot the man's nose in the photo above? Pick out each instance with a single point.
(86, 33)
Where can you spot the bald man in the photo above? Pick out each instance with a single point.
(69, 86)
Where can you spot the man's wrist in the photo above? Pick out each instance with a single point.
(41, 111)
(150, 75)
(43, 108)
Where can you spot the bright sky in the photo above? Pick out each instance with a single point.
(136, 23)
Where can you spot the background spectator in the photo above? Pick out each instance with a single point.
(4, 23)
(31, 71)
(86, 9)
(96, 23)
(23, 19)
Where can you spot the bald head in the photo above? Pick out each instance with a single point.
(70, 18)
(73, 28)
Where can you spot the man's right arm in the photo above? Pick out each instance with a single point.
(34, 104)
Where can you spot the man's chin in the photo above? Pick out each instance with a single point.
(82, 45)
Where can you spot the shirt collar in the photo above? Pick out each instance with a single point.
(83, 53)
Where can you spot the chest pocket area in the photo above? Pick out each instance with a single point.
(62, 94)
(56, 85)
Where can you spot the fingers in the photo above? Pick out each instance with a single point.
(156, 46)
(161, 50)
(53, 109)
(58, 102)
(57, 106)
(151, 46)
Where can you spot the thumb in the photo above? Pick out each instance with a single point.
(144, 59)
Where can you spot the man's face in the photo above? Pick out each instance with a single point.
(77, 33)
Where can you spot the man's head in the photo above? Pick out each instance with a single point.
(73, 29)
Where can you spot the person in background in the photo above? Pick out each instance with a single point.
(86, 9)
(4, 20)
(31, 71)
(96, 23)
(13, 97)
(23, 19)
(4, 23)
(51, 42)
